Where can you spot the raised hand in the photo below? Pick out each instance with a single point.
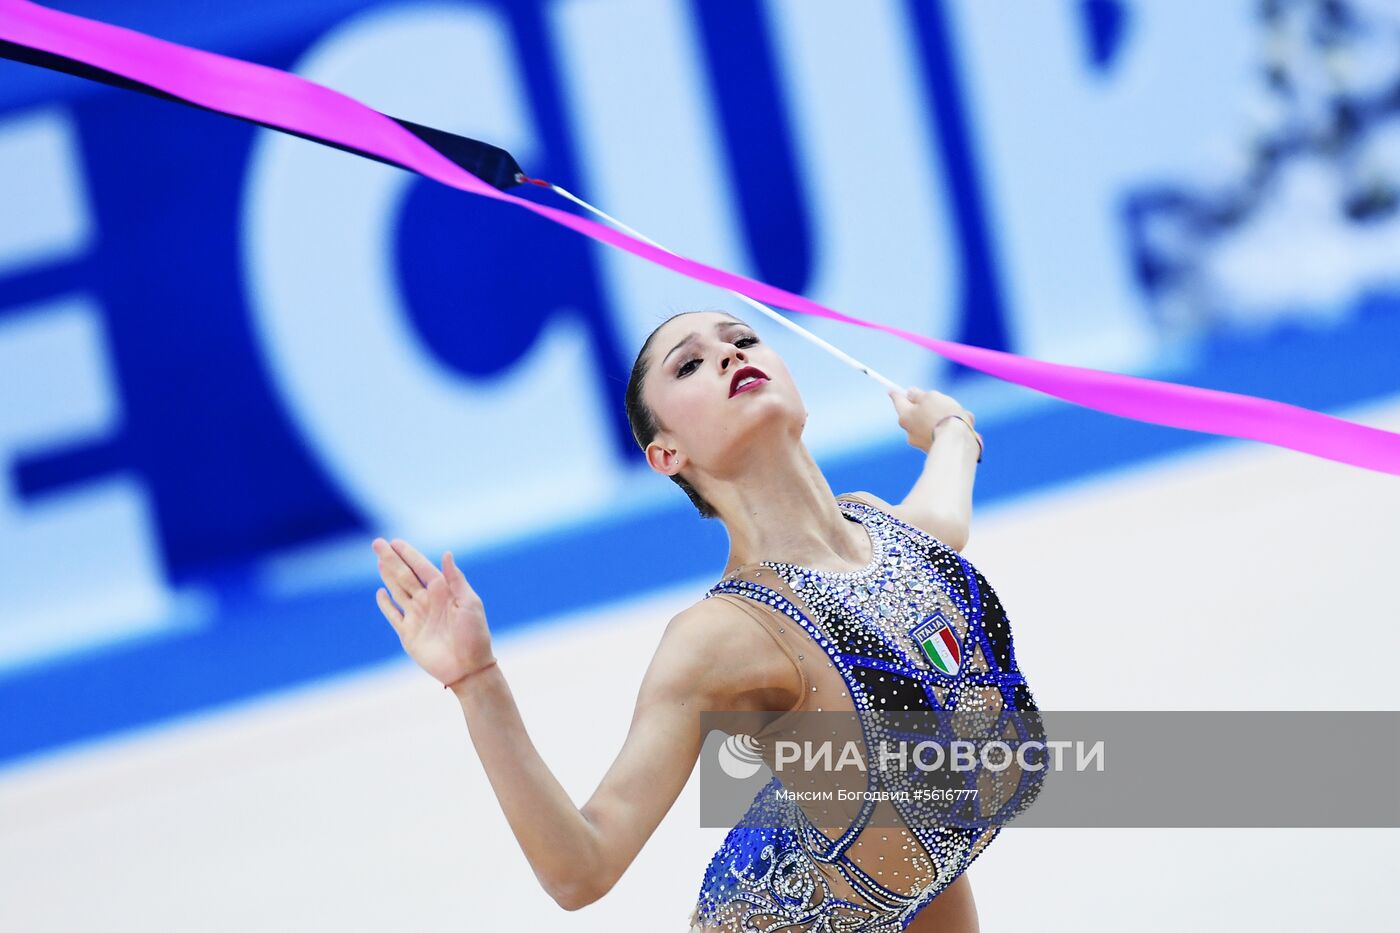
(439, 618)
(920, 410)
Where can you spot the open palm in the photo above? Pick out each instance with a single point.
(439, 618)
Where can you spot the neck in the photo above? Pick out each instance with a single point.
(782, 508)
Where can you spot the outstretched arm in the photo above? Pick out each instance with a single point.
(940, 501)
(709, 658)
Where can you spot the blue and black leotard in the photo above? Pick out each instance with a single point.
(918, 629)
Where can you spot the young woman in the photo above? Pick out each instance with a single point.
(826, 602)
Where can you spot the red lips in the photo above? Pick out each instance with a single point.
(743, 373)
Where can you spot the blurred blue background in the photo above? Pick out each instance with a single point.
(229, 358)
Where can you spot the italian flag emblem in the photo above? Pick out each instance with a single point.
(936, 637)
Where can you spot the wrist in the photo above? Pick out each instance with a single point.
(942, 426)
(460, 682)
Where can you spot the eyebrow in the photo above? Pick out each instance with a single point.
(692, 335)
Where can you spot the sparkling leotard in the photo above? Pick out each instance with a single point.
(919, 628)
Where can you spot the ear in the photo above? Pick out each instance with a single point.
(664, 460)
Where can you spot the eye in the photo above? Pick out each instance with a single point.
(689, 365)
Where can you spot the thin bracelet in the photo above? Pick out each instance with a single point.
(469, 674)
(969, 427)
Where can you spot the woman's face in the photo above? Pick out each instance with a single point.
(716, 388)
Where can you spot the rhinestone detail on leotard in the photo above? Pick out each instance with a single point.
(775, 870)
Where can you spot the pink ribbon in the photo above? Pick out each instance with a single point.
(276, 98)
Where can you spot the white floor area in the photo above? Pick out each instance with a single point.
(357, 804)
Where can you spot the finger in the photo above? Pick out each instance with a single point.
(456, 580)
(398, 556)
(393, 572)
(407, 579)
(402, 582)
(913, 393)
(419, 564)
(902, 405)
(391, 562)
(391, 612)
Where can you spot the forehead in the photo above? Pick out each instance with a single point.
(676, 329)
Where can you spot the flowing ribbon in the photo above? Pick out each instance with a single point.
(286, 102)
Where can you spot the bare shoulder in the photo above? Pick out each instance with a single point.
(951, 534)
(714, 652)
(700, 630)
(872, 499)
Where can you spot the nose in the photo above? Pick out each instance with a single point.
(733, 355)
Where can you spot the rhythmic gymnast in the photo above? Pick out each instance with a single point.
(716, 411)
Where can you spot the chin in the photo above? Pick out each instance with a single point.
(769, 417)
